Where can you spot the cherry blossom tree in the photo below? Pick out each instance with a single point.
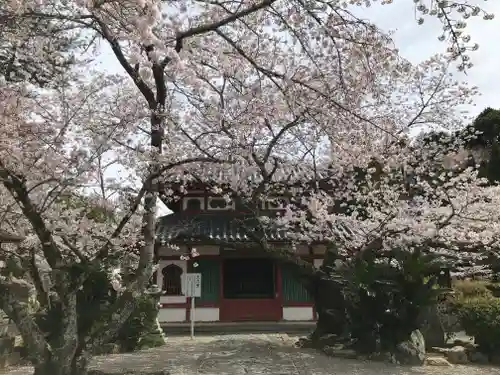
(77, 220)
(281, 89)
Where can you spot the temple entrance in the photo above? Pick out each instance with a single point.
(250, 290)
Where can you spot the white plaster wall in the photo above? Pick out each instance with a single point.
(206, 314)
(159, 280)
(167, 251)
(172, 315)
(318, 262)
(298, 313)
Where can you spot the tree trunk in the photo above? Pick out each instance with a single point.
(329, 300)
(330, 306)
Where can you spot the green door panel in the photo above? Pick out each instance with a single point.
(293, 291)
(210, 279)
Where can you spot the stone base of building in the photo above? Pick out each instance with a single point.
(212, 314)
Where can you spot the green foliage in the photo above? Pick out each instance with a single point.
(94, 301)
(472, 289)
(385, 299)
(484, 133)
(140, 331)
(480, 317)
(151, 340)
(494, 288)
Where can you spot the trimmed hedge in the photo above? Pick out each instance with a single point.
(472, 289)
(480, 317)
(140, 331)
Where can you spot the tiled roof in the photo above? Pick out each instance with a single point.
(218, 227)
(211, 227)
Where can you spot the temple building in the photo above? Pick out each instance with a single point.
(239, 281)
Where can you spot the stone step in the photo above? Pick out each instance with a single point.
(182, 328)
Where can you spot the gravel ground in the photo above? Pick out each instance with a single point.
(259, 354)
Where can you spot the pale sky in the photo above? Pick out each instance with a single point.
(416, 43)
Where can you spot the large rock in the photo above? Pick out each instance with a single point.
(457, 355)
(437, 361)
(412, 351)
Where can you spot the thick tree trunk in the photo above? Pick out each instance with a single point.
(330, 306)
(329, 301)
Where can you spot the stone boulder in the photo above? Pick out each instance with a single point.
(456, 355)
(437, 361)
(412, 351)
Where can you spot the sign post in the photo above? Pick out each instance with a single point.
(193, 290)
(192, 317)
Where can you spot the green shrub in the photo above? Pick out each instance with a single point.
(472, 289)
(141, 331)
(94, 300)
(494, 288)
(480, 317)
(385, 301)
(151, 340)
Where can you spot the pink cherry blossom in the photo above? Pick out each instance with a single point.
(243, 95)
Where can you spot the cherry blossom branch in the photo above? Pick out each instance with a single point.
(146, 186)
(272, 75)
(19, 192)
(217, 24)
(117, 50)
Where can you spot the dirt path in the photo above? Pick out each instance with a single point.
(259, 354)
